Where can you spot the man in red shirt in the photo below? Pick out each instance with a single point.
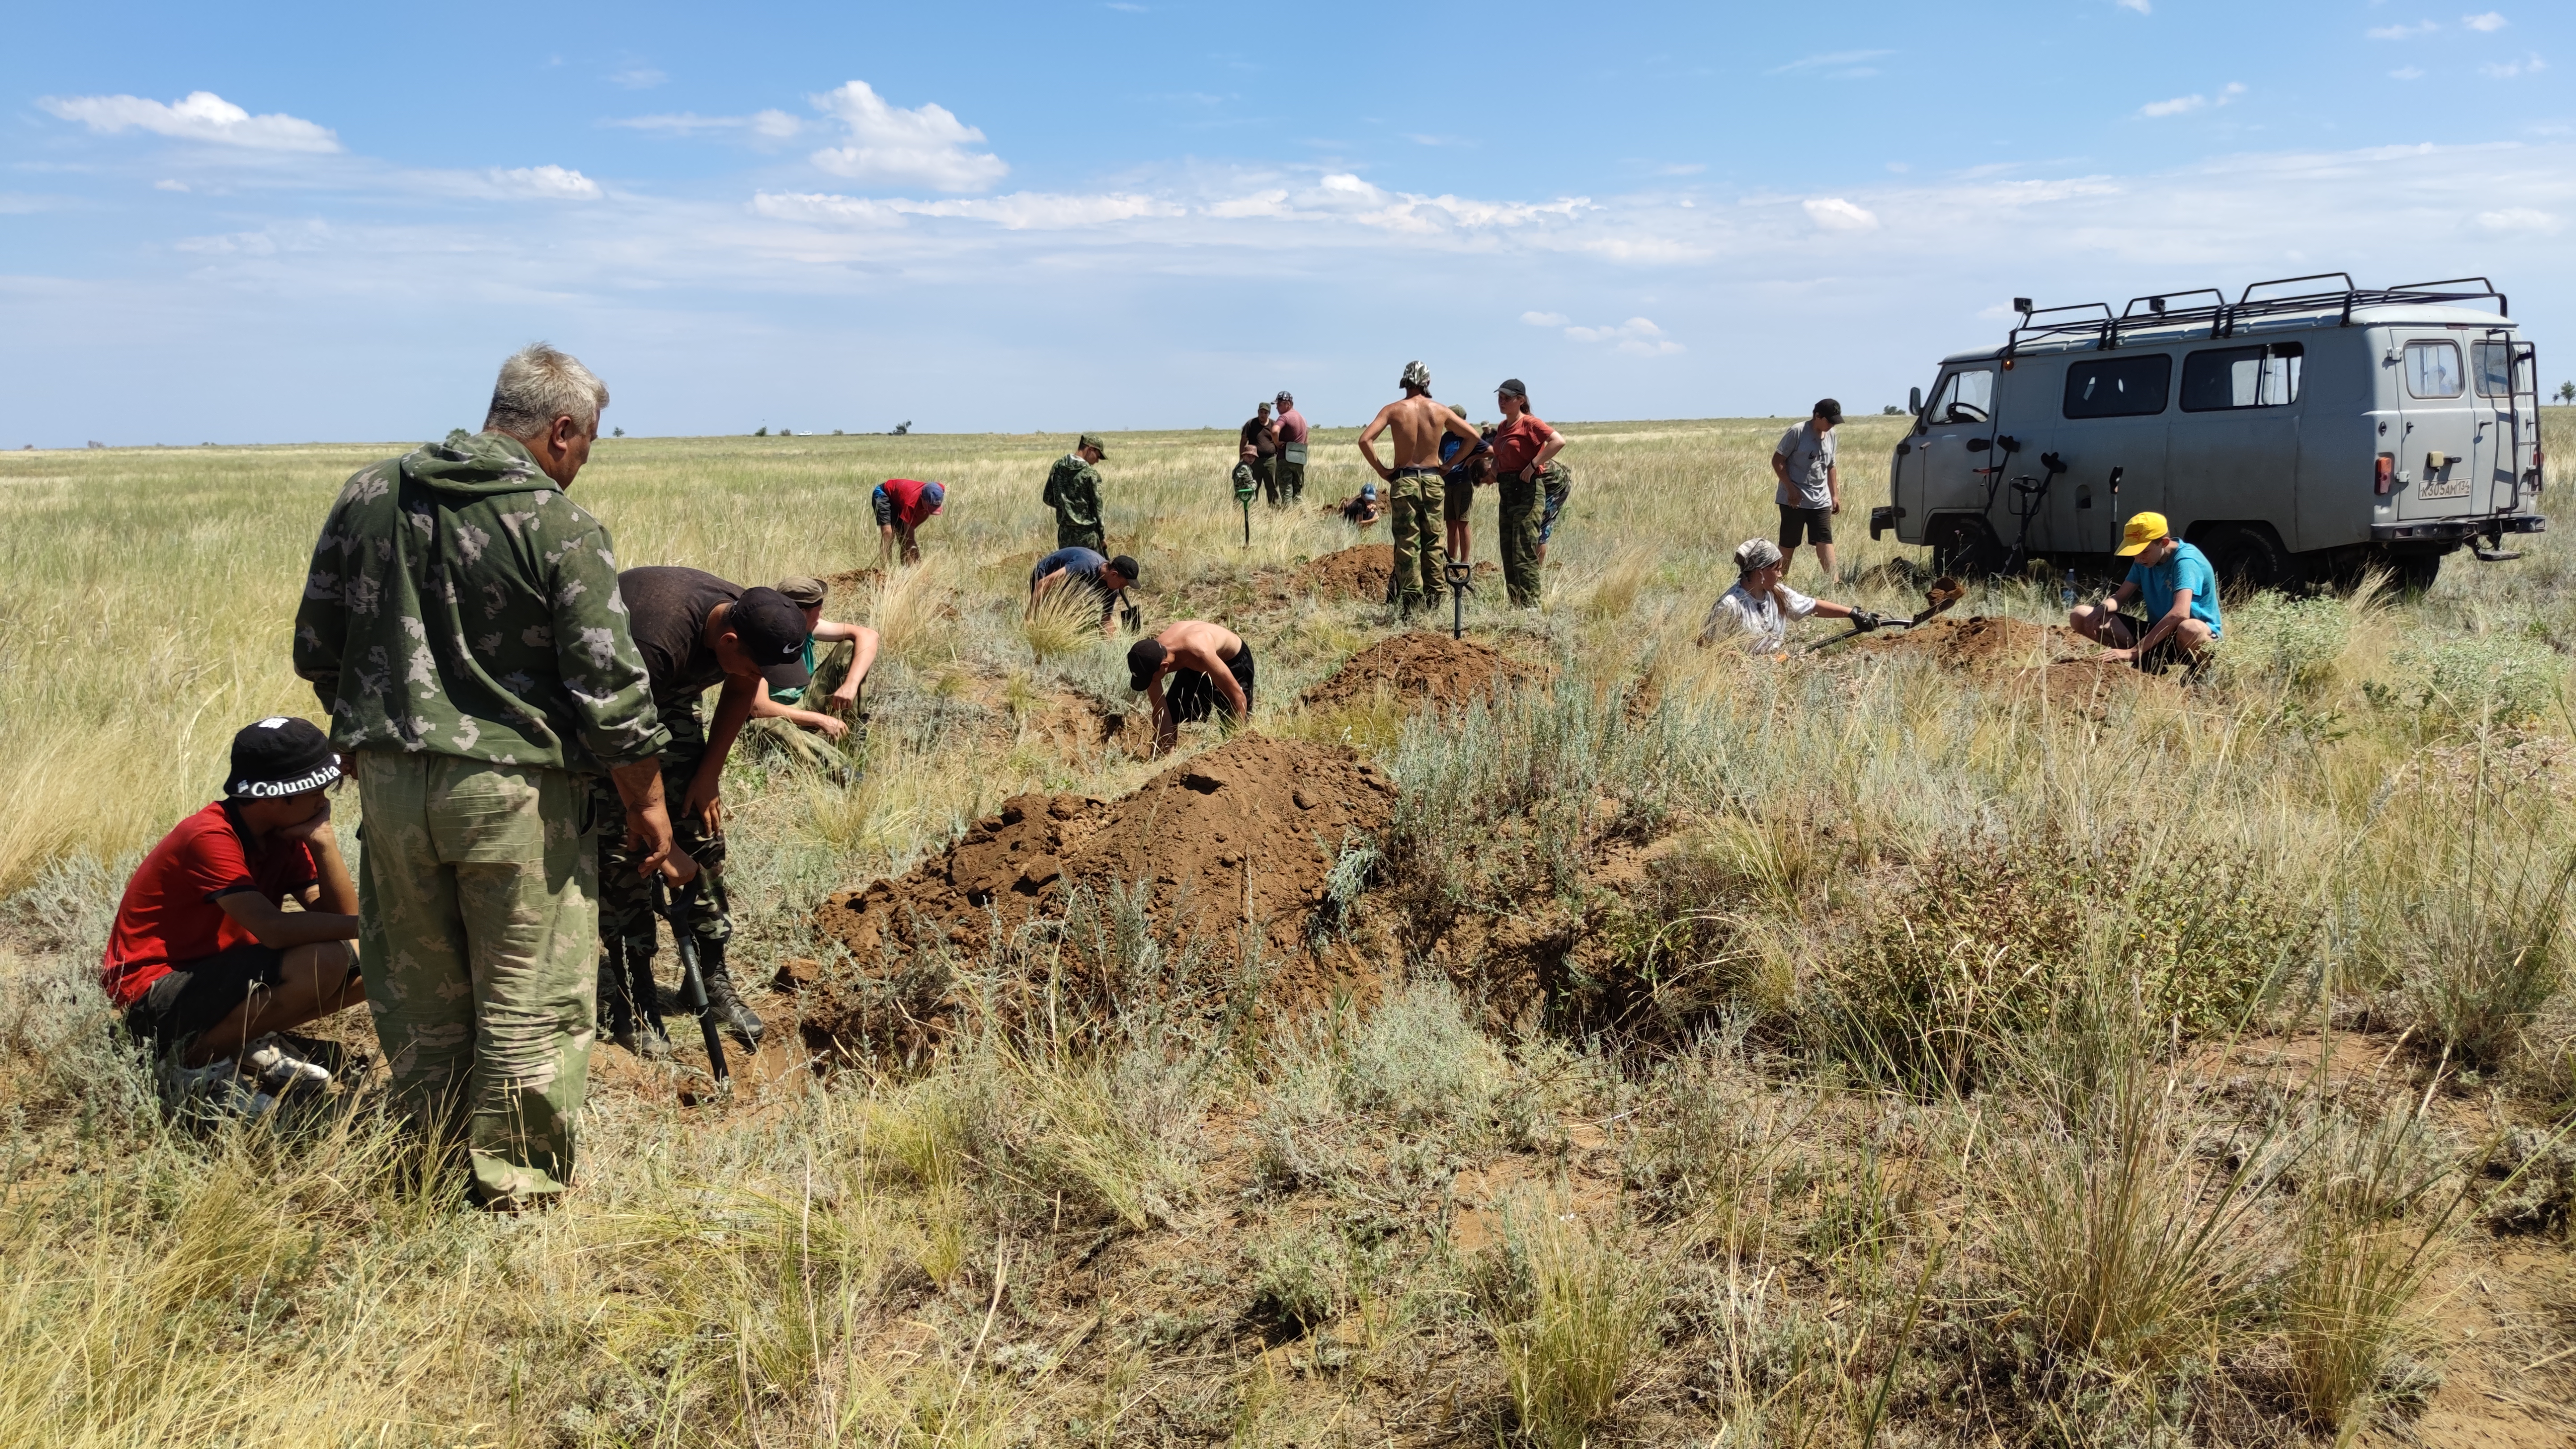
(1525, 452)
(202, 960)
(903, 505)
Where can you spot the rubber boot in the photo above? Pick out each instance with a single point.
(723, 999)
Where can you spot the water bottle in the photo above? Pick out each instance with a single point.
(2066, 595)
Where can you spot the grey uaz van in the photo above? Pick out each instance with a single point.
(2307, 434)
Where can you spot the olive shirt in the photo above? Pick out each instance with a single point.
(459, 604)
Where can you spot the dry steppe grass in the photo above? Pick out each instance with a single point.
(1841, 1053)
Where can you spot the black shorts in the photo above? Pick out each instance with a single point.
(200, 993)
(2164, 656)
(1816, 524)
(1193, 696)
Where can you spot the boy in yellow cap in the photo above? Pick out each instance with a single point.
(2179, 592)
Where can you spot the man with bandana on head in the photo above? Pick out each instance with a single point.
(1414, 483)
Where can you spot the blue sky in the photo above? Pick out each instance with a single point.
(288, 222)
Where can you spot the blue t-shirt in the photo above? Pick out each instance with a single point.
(2188, 568)
(1082, 563)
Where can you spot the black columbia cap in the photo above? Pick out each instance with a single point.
(772, 631)
(1828, 408)
(1125, 567)
(279, 757)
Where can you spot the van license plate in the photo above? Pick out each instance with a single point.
(2449, 481)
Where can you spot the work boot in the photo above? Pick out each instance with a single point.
(723, 999)
(616, 1008)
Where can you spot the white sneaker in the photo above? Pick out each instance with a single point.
(281, 1070)
(215, 1089)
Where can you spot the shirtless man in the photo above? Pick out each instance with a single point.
(1418, 423)
(1210, 667)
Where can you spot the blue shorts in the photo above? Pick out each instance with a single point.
(884, 507)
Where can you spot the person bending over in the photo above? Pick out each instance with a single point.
(202, 960)
(1210, 668)
(902, 506)
(1361, 509)
(1760, 607)
(2179, 590)
(779, 712)
(1106, 578)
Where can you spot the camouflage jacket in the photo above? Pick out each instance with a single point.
(460, 604)
(1073, 491)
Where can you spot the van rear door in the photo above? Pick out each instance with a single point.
(2501, 370)
(2436, 472)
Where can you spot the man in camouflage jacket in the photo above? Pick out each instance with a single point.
(1073, 491)
(461, 623)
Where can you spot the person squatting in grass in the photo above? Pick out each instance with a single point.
(778, 716)
(902, 506)
(1811, 487)
(1210, 668)
(1256, 454)
(461, 623)
(203, 963)
(1073, 491)
(1418, 422)
(1761, 606)
(1083, 568)
(2179, 593)
(1525, 450)
(694, 631)
(1288, 470)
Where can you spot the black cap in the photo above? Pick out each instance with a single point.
(279, 757)
(1828, 408)
(772, 631)
(1144, 661)
(1125, 566)
(1513, 386)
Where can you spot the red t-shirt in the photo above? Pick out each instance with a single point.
(909, 505)
(169, 917)
(1517, 442)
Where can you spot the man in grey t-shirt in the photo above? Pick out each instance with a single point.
(1811, 490)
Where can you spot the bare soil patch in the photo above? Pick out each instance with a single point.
(1356, 573)
(2052, 661)
(1433, 668)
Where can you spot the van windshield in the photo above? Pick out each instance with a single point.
(1963, 397)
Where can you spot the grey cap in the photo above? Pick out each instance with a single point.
(804, 591)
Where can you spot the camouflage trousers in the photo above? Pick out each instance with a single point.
(1075, 535)
(1421, 544)
(1287, 482)
(626, 897)
(1522, 505)
(475, 899)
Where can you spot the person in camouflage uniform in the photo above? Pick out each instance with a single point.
(1073, 491)
(1418, 499)
(461, 623)
(1288, 470)
(1525, 466)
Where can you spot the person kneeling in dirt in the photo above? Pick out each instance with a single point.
(1761, 606)
(2179, 590)
(778, 716)
(695, 631)
(203, 962)
(1210, 668)
(1107, 579)
(1361, 509)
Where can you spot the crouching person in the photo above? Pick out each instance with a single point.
(779, 714)
(1760, 608)
(205, 964)
(2179, 592)
(1210, 668)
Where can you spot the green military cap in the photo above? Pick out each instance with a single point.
(1092, 440)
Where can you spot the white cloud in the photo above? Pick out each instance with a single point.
(638, 78)
(551, 182)
(2522, 219)
(2530, 64)
(166, 184)
(1637, 337)
(2141, 6)
(2490, 21)
(1019, 211)
(768, 125)
(2402, 31)
(1837, 62)
(927, 145)
(2184, 105)
(203, 116)
(1545, 319)
(1835, 214)
(2407, 72)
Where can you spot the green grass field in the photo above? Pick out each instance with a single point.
(1923, 1056)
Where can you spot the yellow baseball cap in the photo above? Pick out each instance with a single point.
(2143, 529)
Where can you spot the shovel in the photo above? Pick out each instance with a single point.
(1945, 591)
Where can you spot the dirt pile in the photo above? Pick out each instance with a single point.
(1418, 666)
(850, 588)
(1357, 573)
(1974, 645)
(1246, 832)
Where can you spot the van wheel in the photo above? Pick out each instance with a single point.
(2248, 558)
(1964, 545)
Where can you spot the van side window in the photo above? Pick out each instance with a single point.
(2432, 369)
(1963, 397)
(2242, 377)
(2492, 362)
(2118, 387)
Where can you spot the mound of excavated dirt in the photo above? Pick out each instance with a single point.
(849, 586)
(1358, 573)
(1974, 645)
(1245, 832)
(1418, 666)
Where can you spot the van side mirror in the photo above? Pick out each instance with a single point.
(1914, 401)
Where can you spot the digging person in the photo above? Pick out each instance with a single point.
(1415, 490)
(778, 714)
(1073, 491)
(1760, 608)
(1083, 568)
(461, 623)
(1361, 509)
(694, 631)
(1288, 470)
(1810, 488)
(902, 506)
(2178, 590)
(1525, 466)
(203, 961)
(1210, 668)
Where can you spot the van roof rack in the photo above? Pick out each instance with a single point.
(2222, 317)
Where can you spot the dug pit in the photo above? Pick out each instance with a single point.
(1419, 666)
(2054, 662)
(1357, 573)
